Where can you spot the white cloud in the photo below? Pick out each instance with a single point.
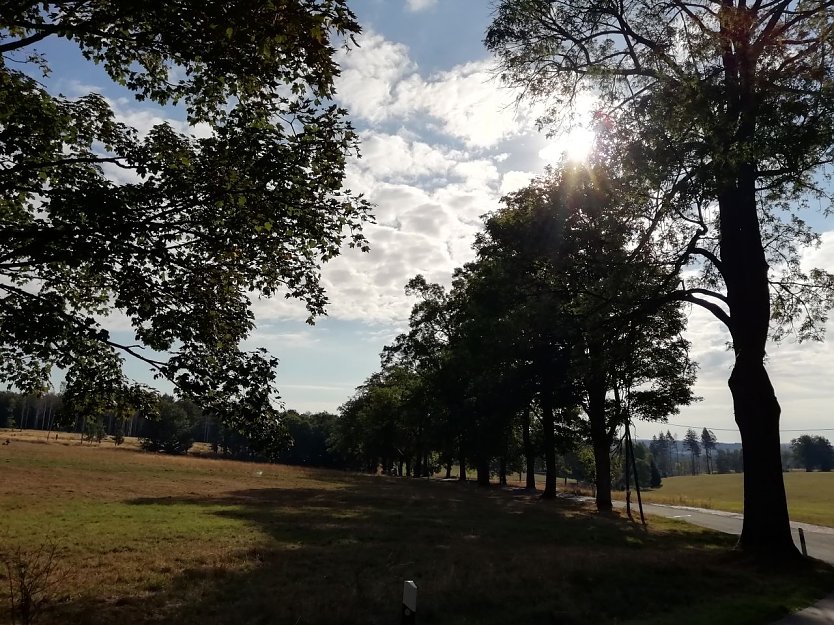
(369, 73)
(401, 158)
(420, 5)
(380, 82)
(515, 181)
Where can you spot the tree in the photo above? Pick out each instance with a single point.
(595, 342)
(826, 454)
(723, 110)
(310, 434)
(672, 440)
(708, 441)
(191, 225)
(171, 429)
(690, 443)
(426, 350)
(813, 452)
(723, 461)
(659, 448)
(656, 479)
(374, 427)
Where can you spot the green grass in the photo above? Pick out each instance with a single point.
(150, 539)
(810, 495)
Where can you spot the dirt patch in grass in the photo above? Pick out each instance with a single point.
(153, 539)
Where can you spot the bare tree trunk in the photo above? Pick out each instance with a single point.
(461, 462)
(766, 530)
(600, 440)
(549, 438)
(529, 452)
(483, 472)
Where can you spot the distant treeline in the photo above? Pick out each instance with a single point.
(173, 427)
(323, 439)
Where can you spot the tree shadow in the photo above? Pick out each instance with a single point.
(478, 556)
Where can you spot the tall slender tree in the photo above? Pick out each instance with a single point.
(693, 446)
(708, 440)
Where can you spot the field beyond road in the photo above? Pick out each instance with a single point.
(810, 495)
(148, 539)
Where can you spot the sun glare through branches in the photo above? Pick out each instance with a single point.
(575, 146)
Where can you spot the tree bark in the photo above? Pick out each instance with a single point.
(766, 528)
(529, 453)
(483, 473)
(549, 438)
(600, 440)
(461, 462)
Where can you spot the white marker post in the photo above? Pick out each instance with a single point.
(409, 613)
(802, 542)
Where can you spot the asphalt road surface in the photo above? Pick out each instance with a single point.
(818, 540)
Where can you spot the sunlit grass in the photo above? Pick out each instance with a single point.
(810, 495)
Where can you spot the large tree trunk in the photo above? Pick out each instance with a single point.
(483, 472)
(766, 530)
(600, 440)
(529, 452)
(461, 462)
(418, 464)
(549, 438)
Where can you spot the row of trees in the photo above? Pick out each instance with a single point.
(813, 452)
(712, 119)
(666, 450)
(558, 335)
(723, 117)
(172, 426)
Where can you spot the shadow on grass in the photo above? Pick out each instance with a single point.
(486, 557)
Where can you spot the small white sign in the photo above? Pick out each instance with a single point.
(410, 595)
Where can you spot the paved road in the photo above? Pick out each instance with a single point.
(818, 540)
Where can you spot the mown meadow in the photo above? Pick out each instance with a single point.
(810, 495)
(144, 538)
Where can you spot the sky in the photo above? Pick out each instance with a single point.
(442, 142)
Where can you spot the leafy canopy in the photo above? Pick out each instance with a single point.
(697, 99)
(173, 229)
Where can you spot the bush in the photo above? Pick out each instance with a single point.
(172, 431)
(30, 579)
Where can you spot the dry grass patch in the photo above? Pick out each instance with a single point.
(154, 539)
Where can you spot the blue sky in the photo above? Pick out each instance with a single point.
(442, 143)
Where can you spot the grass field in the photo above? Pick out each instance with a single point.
(153, 539)
(810, 495)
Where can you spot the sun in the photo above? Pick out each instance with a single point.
(573, 146)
